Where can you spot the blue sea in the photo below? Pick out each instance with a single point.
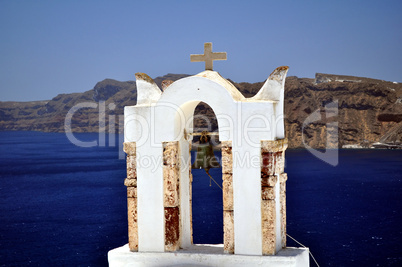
(63, 205)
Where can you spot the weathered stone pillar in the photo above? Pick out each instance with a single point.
(272, 167)
(171, 200)
(227, 190)
(282, 179)
(190, 176)
(131, 183)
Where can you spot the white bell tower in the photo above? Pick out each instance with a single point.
(158, 135)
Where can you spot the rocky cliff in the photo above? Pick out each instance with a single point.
(368, 110)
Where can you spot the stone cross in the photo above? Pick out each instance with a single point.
(208, 56)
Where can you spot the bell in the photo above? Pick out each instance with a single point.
(205, 157)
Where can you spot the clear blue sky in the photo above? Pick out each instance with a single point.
(52, 47)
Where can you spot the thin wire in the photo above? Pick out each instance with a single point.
(213, 179)
(311, 254)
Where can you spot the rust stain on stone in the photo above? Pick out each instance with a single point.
(172, 228)
(268, 210)
(166, 84)
(131, 166)
(227, 191)
(131, 161)
(144, 77)
(279, 69)
(278, 73)
(274, 146)
(268, 193)
(132, 224)
(227, 158)
(268, 213)
(171, 195)
(170, 153)
(283, 213)
(267, 164)
(282, 178)
(268, 243)
(279, 162)
(227, 187)
(171, 186)
(228, 232)
(129, 148)
(271, 163)
(130, 182)
(269, 180)
(132, 192)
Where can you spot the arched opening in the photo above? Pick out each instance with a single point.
(176, 110)
(207, 199)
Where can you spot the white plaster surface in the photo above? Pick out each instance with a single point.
(150, 210)
(206, 255)
(247, 204)
(150, 93)
(185, 195)
(274, 90)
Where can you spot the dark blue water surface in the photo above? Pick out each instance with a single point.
(63, 205)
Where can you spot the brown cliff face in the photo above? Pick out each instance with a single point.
(368, 110)
(361, 105)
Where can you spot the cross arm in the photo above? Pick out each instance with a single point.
(197, 58)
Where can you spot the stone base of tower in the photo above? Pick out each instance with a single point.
(206, 255)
